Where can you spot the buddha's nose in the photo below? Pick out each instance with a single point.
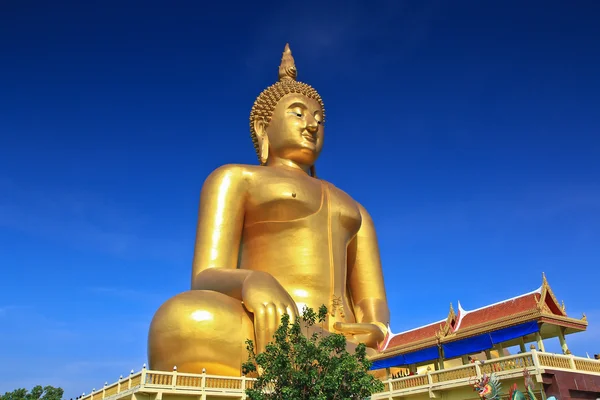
(312, 125)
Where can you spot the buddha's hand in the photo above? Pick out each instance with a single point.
(268, 301)
(369, 333)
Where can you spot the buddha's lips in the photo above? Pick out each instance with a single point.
(310, 137)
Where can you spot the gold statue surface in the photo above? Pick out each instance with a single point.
(271, 239)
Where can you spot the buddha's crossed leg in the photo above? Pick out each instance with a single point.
(200, 329)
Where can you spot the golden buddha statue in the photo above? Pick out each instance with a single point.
(271, 239)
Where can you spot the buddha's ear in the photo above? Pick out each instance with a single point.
(260, 127)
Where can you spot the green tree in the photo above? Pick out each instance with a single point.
(315, 366)
(37, 393)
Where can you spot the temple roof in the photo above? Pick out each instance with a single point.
(425, 334)
(501, 310)
(539, 305)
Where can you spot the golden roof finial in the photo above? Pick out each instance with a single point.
(563, 307)
(287, 68)
(584, 317)
(544, 279)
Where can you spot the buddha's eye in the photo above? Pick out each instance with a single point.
(318, 118)
(297, 113)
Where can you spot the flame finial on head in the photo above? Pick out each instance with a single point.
(287, 68)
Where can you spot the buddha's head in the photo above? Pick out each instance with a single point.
(287, 118)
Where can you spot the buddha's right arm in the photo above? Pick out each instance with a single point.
(219, 231)
(226, 281)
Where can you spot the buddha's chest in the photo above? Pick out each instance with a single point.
(282, 199)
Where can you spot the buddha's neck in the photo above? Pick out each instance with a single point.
(282, 162)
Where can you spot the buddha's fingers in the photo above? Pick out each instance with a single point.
(272, 321)
(355, 328)
(281, 311)
(260, 329)
(363, 338)
(368, 333)
(292, 311)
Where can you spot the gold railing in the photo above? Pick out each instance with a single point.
(516, 362)
(555, 361)
(504, 368)
(158, 378)
(462, 372)
(122, 385)
(409, 382)
(113, 389)
(582, 364)
(193, 381)
(136, 380)
(224, 383)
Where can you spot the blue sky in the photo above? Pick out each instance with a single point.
(468, 129)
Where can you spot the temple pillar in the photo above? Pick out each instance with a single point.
(441, 357)
(540, 343)
(522, 345)
(563, 342)
(500, 349)
(488, 354)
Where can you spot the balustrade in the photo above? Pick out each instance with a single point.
(409, 382)
(435, 380)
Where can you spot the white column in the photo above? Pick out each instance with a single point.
(522, 345)
(563, 342)
(500, 349)
(540, 343)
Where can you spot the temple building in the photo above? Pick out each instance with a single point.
(529, 318)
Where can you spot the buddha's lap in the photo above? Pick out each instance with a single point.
(197, 328)
(198, 311)
(202, 329)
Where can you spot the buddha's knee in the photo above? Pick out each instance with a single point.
(197, 330)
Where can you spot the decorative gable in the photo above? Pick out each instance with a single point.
(548, 303)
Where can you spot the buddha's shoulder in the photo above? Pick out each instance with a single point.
(235, 169)
(233, 173)
(337, 190)
(346, 196)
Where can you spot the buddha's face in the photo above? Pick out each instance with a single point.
(296, 131)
